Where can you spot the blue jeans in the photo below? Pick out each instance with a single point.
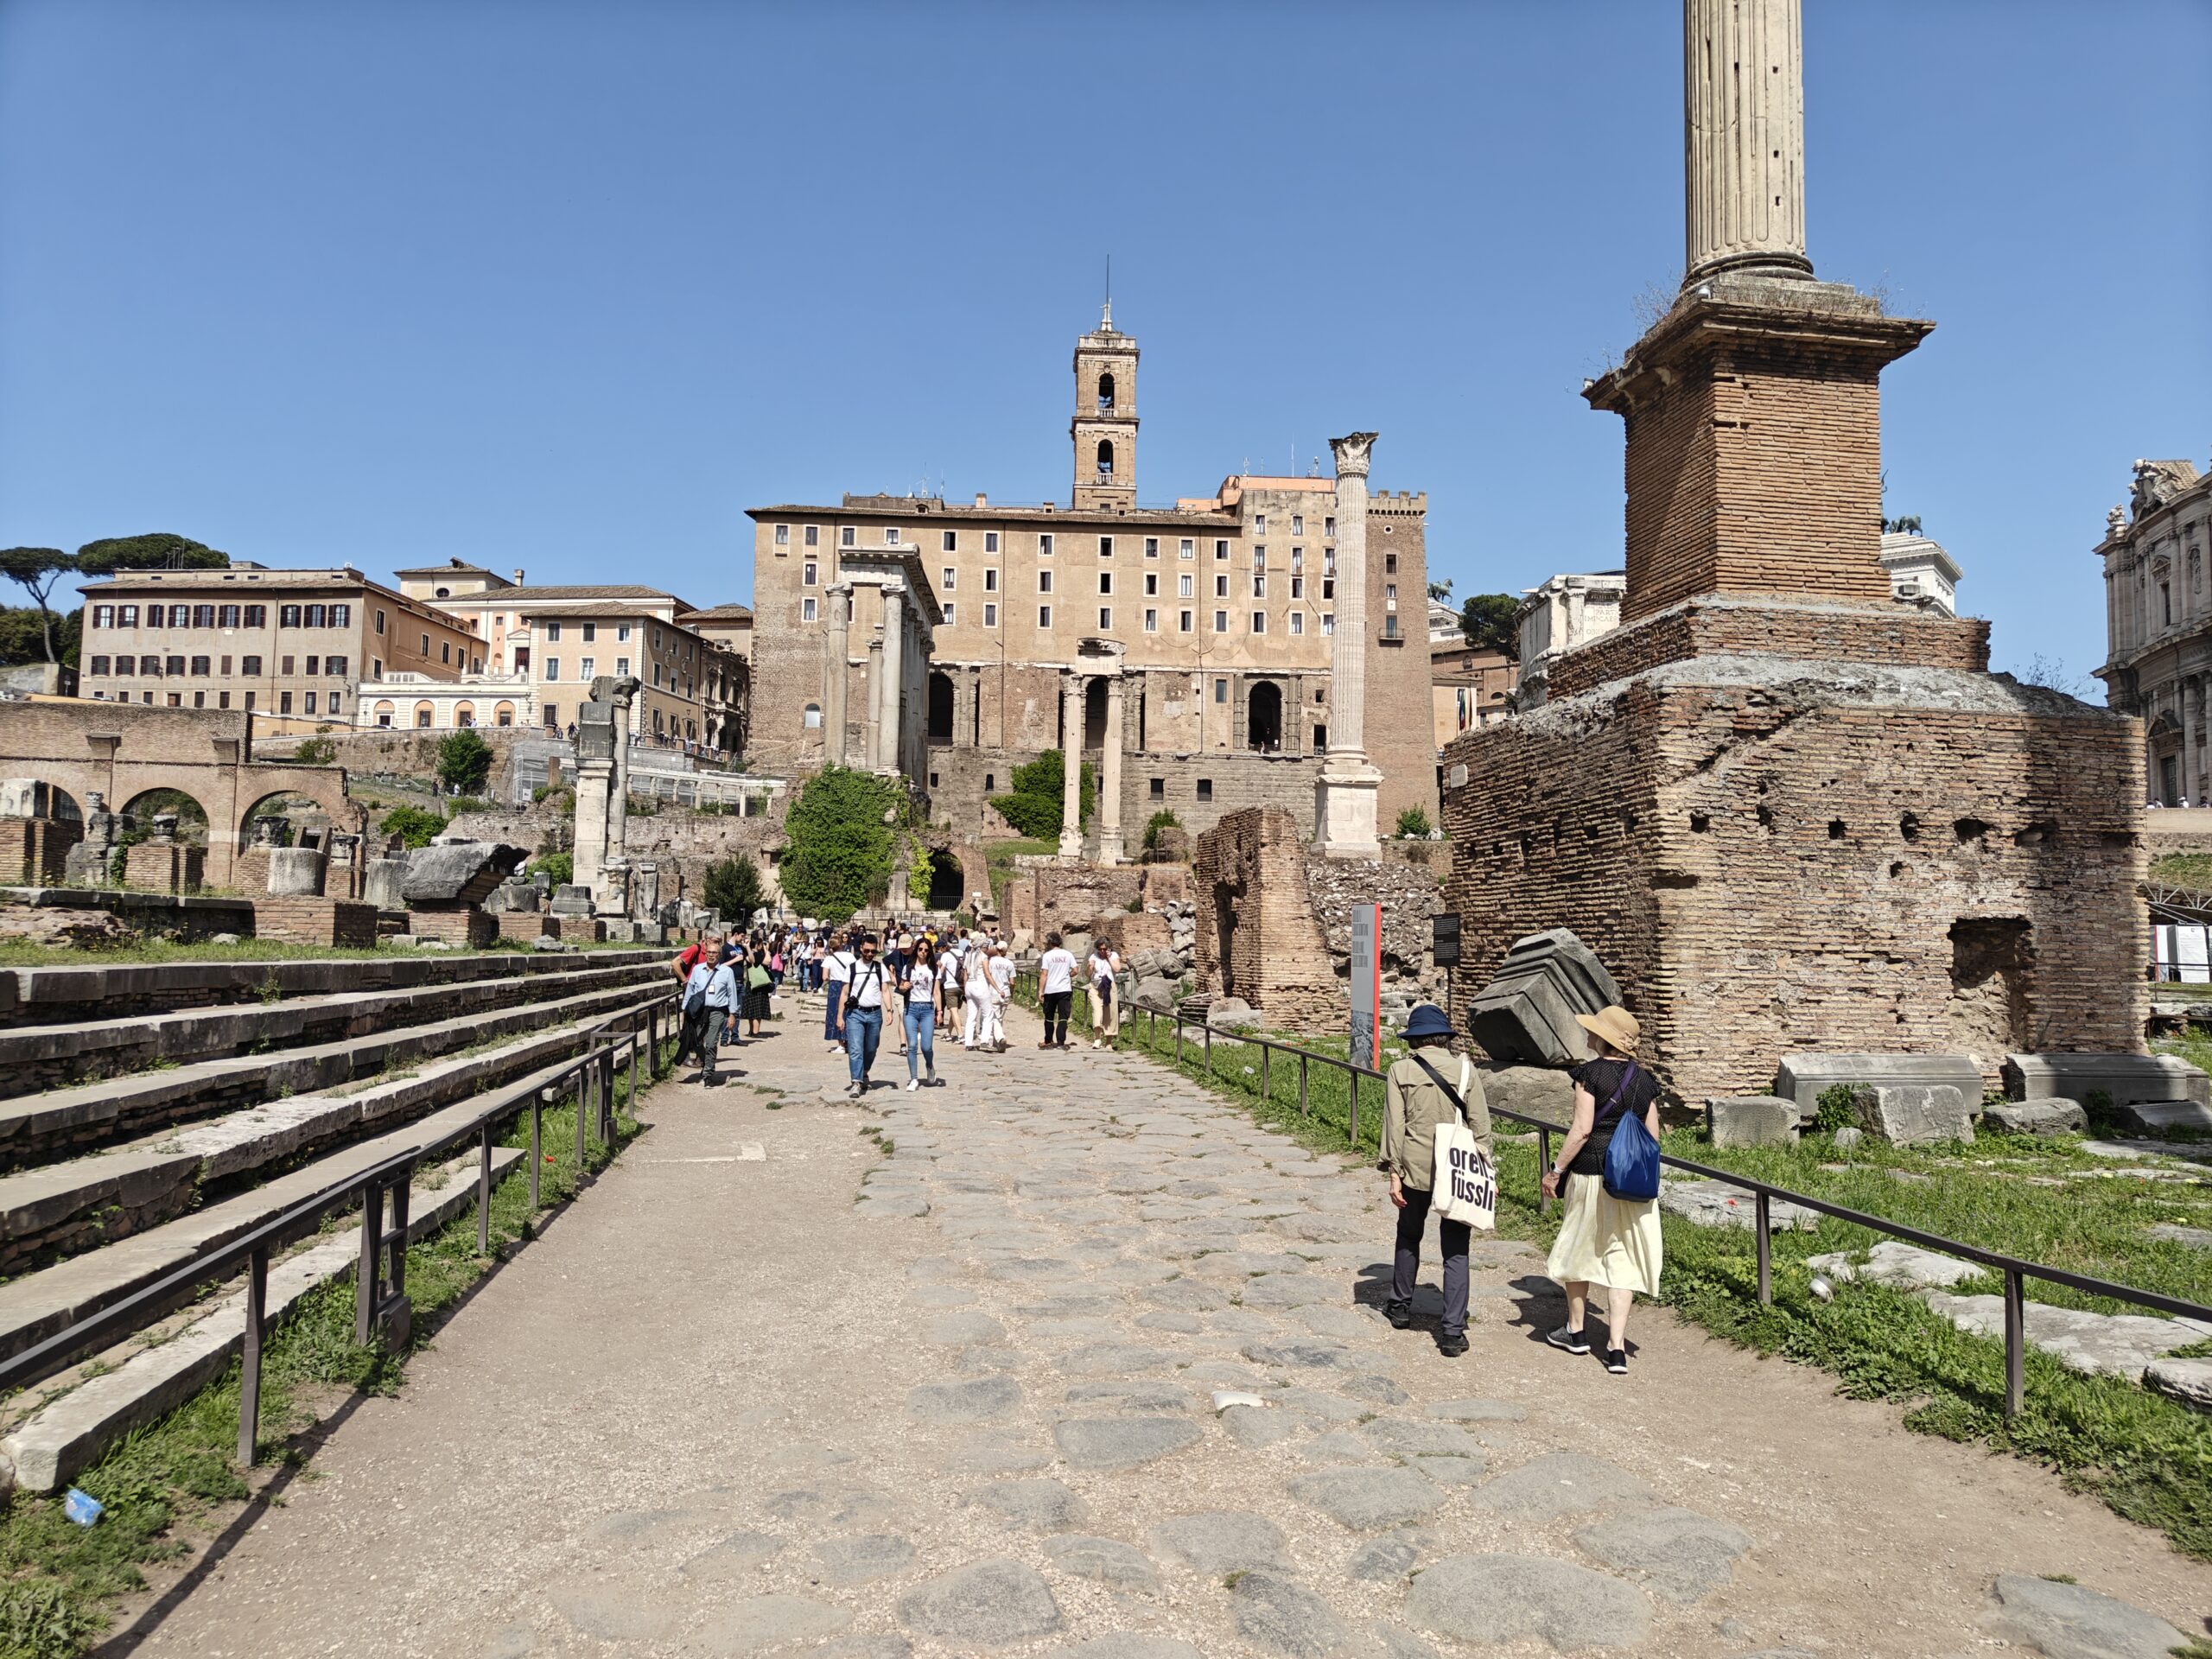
(921, 1034)
(830, 1028)
(863, 1031)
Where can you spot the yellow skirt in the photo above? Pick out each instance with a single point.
(1604, 1240)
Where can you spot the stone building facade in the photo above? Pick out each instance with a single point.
(2158, 623)
(1788, 811)
(1223, 607)
(1555, 616)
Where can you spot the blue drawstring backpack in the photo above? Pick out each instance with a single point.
(1631, 1156)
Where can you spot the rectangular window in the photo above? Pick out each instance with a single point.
(288, 616)
(1259, 558)
(1105, 581)
(951, 541)
(1205, 789)
(1390, 564)
(126, 616)
(990, 581)
(1043, 616)
(1105, 547)
(1328, 622)
(1151, 583)
(591, 634)
(1044, 545)
(333, 702)
(334, 667)
(891, 534)
(1152, 621)
(1390, 627)
(1258, 621)
(1183, 586)
(1259, 524)
(951, 579)
(1328, 527)
(200, 701)
(622, 667)
(1157, 791)
(1297, 586)
(990, 616)
(251, 697)
(125, 666)
(1328, 587)
(1221, 586)
(342, 616)
(806, 609)
(98, 670)
(1298, 621)
(552, 668)
(314, 616)
(1297, 523)
(203, 616)
(254, 617)
(1221, 691)
(445, 650)
(310, 702)
(222, 699)
(226, 616)
(845, 535)
(951, 619)
(1390, 592)
(284, 666)
(783, 535)
(103, 616)
(1187, 548)
(1105, 616)
(622, 635)
(1220, 549)
(200, 666)
(150, 665)
(1221, 621)
(284, 702)
(314, 665)
(1044, 581)
(553, 632)
(1259, 586)
(588, 670)
(250, 667)
(813, 538)
(1184, 622)
(552, 715)
(1152, 547)
(375, 664)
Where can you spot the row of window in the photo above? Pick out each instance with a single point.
(332, 702)
(99, 668)
(949, 540)
(227, 616)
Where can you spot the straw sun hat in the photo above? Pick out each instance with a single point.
(1616, 1024)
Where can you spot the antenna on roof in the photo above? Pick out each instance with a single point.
(1106, 311)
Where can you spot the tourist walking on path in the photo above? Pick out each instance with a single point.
(759, 991)
(720, 995)
(976, 994)
(860, 1001)
(1000, 966)
(734, 955)
(895, 947)
(693, 1038)
(1603, 1240)
(1055, 990)
(919, 986)
(1103, 970)
(1430, 1086)
(837, 968)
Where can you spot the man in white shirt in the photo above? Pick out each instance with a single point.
(696, 1021)
(837, 968)
(1056, 990)
(860, 1001)
(717, 983)
(1103, 969)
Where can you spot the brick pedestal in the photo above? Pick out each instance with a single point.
(523, 924)
(464, 925)
(36, 851)
(306, 920)
(164, 867)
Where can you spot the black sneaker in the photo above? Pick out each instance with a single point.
(1617, 1361)
(1401, 1315)
(1451, 1344)
(1573, 1342)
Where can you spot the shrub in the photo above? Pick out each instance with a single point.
(316, 752)
(1412, 824)
(1032, 806)
(733, 887)
(561, 866)
(918, 872)
(464, 761)
(1838, 1109)
(842, 831)
(461, 803)
(416, 826)
(1163, 819)
(714, 809)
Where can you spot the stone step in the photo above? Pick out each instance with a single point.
(35, 1057)
(61, 1122)
(68, 1434)
(66, 994)
(63, 1209)
(35, 1307)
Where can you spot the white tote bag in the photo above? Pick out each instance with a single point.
(1466, 1182)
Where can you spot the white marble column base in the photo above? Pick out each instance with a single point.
(1345, 809)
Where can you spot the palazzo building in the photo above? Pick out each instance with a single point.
(2158, 623)
(1218, 614)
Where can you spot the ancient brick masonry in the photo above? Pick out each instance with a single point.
(1257, 936)
(1774, 855)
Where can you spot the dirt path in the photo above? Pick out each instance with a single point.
(723, 1409)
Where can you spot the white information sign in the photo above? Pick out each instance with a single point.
(1366, 984)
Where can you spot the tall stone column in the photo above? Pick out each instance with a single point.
(836, 673)
(1071, 690)
(1744, 137)
(2187, 767)
(889, 708)
(622, 693)
(1110, 779)
(1344, 799)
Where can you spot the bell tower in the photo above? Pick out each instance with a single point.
(1104, 429)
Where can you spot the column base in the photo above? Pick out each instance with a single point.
(1071, 844)
(1110, 850)
(1345, 809)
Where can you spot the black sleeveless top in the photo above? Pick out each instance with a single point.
(1601, 1078)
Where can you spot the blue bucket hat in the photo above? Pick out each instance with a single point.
(1427, 1021)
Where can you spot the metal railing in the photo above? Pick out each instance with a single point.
(636, 1035)
(2016, 1270)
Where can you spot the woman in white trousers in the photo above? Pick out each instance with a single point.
(975, 1021)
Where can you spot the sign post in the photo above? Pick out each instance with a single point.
(1367, 985)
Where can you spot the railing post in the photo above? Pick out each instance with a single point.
(583, 1088)
(1304, 1109)
(1266, 1077)
(1543, 1166)
(368, 1275)
(537, 1152)
(1178, 1039)
(1352, 1072)
(2016, 1342)
(1761, 1217)
(402, 1191)
(604, 1066)
(484, 1191)
(1209, 1029)
(257, 1299)
(633, 1074)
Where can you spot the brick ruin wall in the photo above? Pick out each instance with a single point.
(1257, 938)
(962, 781)
(1770, 867)
(681, 840)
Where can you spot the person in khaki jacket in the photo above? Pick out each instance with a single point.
(1416, 1100)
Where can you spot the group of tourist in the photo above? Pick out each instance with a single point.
(914, 981)
(1605, 1239)
(728, 980)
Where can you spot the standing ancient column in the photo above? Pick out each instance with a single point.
(620, 693)
(1744, 137)
(2186, 771)
(1071, 690)
(835, 674)
(1110, 778)
(893, 688)
(1344, 799)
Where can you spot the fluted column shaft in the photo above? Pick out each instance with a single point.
(1743, 136)
(1071, 766)
(835, 674)
(1110, 778)
(1348, 648)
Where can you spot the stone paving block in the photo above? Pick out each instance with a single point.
(1135, 1396)
(761, 1623)
(1106, 1561)
(2051, 1116)
(735, 1556)
(2071, 1621)
(1680, 1554)
(1750, 1121)
(1284, 1617)
(863, 1559)
(2187, 1380)
(994, 1602)
(1367, 1499)
(1561, 1483)
(1716, 1204)
(976, 1401)
(1477, 1411)
(1895, 1263)
(1122, 1442)
(1493, 1599)
(1223, 1542)
(2118, 1344)
(1041, 1505)
(1390, 1557)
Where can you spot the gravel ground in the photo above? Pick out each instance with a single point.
(961, 1399)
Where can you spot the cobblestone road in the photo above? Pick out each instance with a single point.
(964, 1398)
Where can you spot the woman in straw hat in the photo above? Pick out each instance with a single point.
(1602, 1239)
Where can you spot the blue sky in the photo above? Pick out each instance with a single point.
(569, 286)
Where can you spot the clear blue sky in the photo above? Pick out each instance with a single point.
(568, 286)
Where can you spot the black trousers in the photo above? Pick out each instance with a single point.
(1056, 1015)
(693, 1039)
(1452, 1235)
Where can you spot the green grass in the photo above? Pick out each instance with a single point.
(2182, 869)
(57, 1578)
(2147, 1458)
(21, 954)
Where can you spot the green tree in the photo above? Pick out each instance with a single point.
(23, 637)
(316, 752)
(1033, 806)
(561, 866)
(156, 550)
(416, 826)
(843, 830)
(35, 569)
(734, 887)
(1487, 622)
(1412, 824)
(464, 761)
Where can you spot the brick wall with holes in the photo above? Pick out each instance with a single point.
(1787, 867)
(305, 920)
(1257, 936)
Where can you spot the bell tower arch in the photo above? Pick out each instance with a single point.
(1104, 429)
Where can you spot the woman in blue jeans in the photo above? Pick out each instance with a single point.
(919, 987)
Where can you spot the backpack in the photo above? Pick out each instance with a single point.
(1631, 1156)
